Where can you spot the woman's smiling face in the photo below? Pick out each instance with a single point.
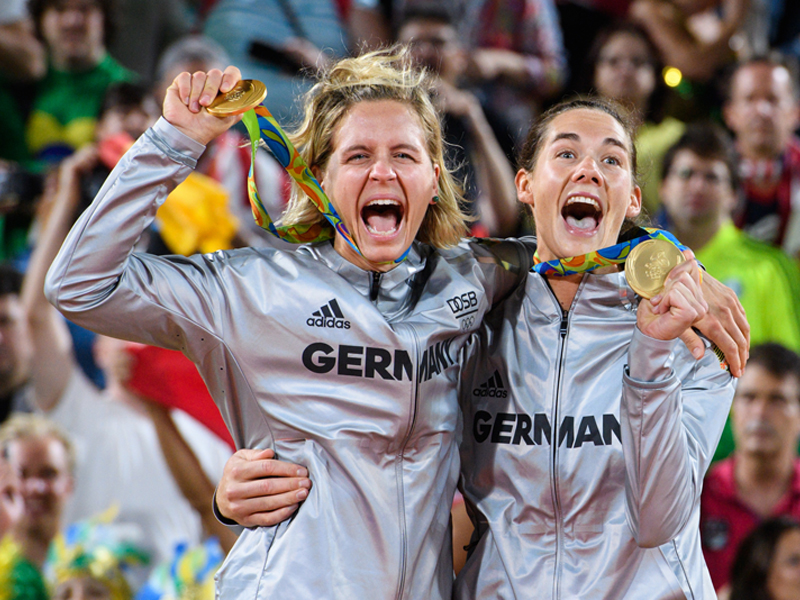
(581, 187)
(381, 180)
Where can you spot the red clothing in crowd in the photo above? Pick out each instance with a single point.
(725, 520)
(769, 187)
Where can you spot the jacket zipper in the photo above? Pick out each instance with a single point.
(401, 457)
(563, 329)
(375, 285)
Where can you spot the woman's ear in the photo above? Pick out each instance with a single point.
(524, 187)
(635, 207)
(318, 174)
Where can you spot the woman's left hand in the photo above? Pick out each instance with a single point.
(680, 304)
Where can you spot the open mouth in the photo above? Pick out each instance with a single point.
(382, 217)
(582, 214)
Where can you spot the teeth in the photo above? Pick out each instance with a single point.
(384, 202)
(376, 232)
(583, 200)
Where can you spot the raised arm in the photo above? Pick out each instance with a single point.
(96, 276)
(52, 343)
(671, 415)
(188, 473)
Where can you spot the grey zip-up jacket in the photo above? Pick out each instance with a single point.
(350, 373)
(585, 482)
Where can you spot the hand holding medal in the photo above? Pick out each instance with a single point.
(674, 297)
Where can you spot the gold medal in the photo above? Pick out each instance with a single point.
(246, 94)
(648, 265)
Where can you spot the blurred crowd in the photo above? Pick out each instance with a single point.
(111, 450)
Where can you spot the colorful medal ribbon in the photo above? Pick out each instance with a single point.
(261, 124)
(613, 255)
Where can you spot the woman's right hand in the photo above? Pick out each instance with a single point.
(258, 491)
(190, 93)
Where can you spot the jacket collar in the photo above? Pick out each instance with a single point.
(395, 288)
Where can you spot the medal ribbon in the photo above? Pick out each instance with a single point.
(612, 255)
(262, 125)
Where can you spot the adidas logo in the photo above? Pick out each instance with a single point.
(329, 315)
(493, 388)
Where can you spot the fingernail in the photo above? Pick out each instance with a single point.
(697, 353)
(301, 472)
(196, 106)
(305, 483)
(302, 494)
(205, 99)
(656, 299)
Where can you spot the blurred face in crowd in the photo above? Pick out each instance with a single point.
(783, 578)
(434, 45)
(16, 349)
(766, 413)
(42, 465)
(73, 31)
(625, 71)
(762, 110)
(82, 588)
(697, 191)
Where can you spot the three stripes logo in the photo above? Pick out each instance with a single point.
(492, 388)
(329, 315)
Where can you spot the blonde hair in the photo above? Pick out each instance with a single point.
(385, 74)
(24, 426)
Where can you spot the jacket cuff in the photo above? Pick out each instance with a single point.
(649, 359)
(177, 141)
(218, 515)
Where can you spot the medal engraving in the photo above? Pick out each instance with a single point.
(648, 265)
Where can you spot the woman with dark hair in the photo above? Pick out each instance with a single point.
(767, 565)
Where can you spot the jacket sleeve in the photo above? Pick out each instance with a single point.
(672, 416)
(99, 282)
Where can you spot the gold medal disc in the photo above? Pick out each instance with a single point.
(648, 265)
(246, 94)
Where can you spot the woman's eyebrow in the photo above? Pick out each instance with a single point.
(609, 141)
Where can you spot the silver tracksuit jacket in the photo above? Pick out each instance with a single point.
(350, 373)
(585, 482)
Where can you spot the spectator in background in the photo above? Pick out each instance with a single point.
(227, 158)
(766, 566)
(676, 29)
(517, 59)
(44, 459)
(474, 148)
(63, 105)
(699, 38)
(19, 577)
(761, 108)
(624, 65)
(699, 193)
(762, 478)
